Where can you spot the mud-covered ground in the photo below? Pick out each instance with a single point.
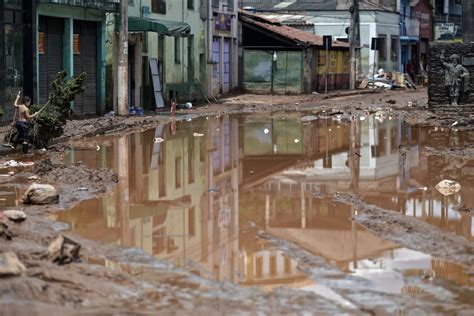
(104, 280)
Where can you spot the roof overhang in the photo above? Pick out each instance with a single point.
(169, 28)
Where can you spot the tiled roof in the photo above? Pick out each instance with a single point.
(288, 32)
(314, 5)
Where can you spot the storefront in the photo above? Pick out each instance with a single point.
(16, 53)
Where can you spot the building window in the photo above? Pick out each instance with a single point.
(383, 47)
(177, 50)
(394, 48)
(158, 6)
(76, 44)
(190, 4)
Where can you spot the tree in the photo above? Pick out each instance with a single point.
(50, 123)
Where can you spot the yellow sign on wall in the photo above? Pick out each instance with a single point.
(338, 62)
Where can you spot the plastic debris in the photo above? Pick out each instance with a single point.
(15, 216)
(97, 148)
(455, 123)
(198, 134)
(448, 187)
(308, 118)
(33, 178)
(14, 163)
(158, 140)
(296, 140)
(83, 189)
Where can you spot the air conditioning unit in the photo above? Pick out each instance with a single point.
(113, 1)
(146, 11)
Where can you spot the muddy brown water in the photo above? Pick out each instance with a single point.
(195, 193)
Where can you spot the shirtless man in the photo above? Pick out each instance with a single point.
(21, 123)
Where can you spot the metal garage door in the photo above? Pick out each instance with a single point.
(85, 60)
(216, 58)
(50, 53)
(226, 65)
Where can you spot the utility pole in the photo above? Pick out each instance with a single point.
(122, 68)
(354, 41)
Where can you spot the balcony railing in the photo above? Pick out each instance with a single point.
(410, 27)
(105, 5)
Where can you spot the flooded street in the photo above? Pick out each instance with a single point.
(249, 200)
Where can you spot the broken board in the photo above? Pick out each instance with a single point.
(157, 88)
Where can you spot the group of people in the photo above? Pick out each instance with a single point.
(21, 118)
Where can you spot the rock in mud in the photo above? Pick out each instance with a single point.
(63, 250)
(15, 216)
(5, 233)
(41, 194)
(10, 265)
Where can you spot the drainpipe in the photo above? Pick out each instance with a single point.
(209, 47)
(446, 9)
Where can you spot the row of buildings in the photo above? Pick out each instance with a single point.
(198, 48)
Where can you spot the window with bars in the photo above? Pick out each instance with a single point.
(383, 47)
(158, 6)
(394, 48)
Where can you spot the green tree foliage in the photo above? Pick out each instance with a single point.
(50, 122)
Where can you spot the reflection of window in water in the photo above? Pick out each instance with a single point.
(287, 265)
(394, 140)
(259, 267)
(162, 171)
(380, 149)
(177, 172)
(192, 222)
(159, 240)
(273, 264)
(191, 159)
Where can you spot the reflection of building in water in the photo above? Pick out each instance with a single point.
(387, 169)
(187, 199)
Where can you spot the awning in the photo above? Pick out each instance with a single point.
(170, 28)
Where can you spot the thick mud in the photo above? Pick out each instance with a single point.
(331, 210)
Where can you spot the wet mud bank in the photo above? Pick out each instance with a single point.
(110, 219)
(411, 232)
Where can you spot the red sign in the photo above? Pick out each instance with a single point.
(422, 11)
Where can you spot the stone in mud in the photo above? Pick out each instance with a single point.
(10, 265)
(63, 250)
(15, 216)
(5, 233)
(41, 194)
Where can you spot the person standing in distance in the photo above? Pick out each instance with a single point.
(21, 123)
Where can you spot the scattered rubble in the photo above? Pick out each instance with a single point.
(5, 232)
(63, 250)
(15, 216)
(10, 265)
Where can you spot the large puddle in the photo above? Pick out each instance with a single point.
(194, 193)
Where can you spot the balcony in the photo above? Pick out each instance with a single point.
(104, 5)
(409, 29)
